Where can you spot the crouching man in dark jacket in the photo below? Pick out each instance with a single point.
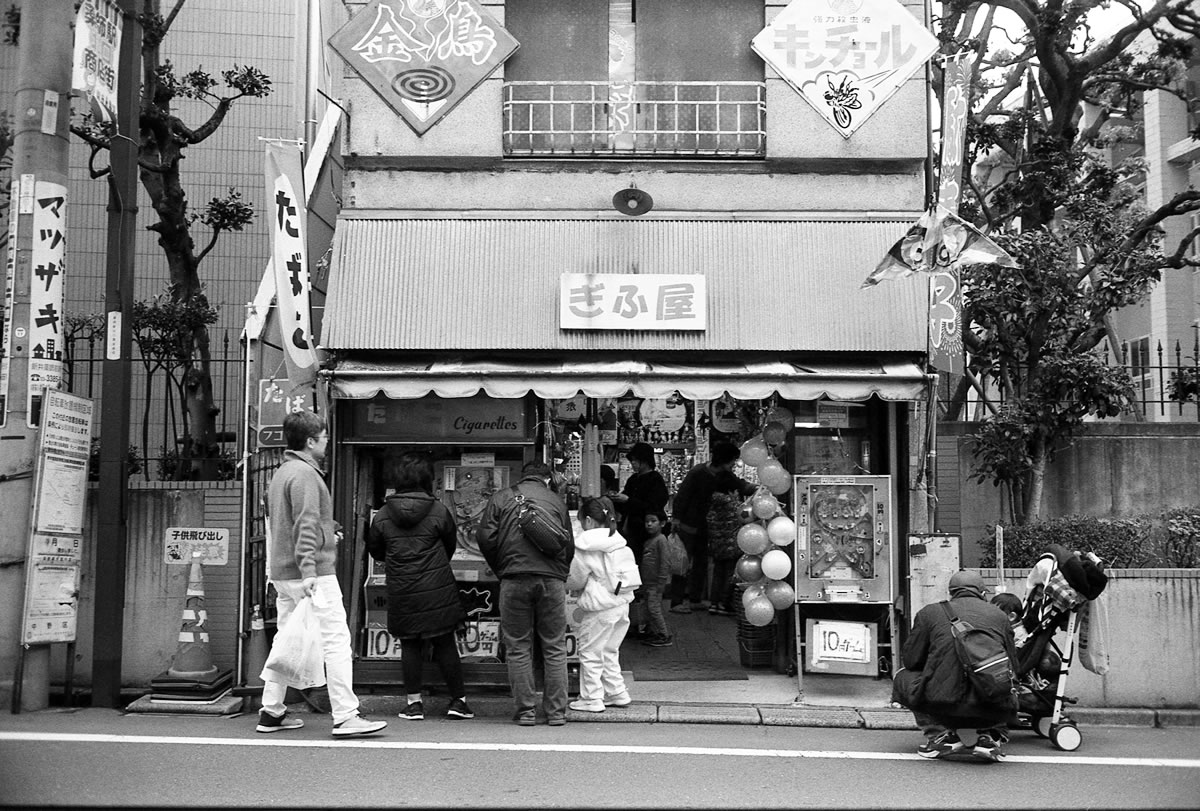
(934, 686)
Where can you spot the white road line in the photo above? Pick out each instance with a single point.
(703, 751)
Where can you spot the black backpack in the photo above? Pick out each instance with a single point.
(543, 528)
(984, 659)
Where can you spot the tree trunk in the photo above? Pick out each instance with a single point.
(1037, 482)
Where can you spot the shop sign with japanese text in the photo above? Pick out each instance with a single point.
(274, 403)
(845, 57)
(454, 419)
(423, 56)
(632, 301)
(206, 545)
(46, 294)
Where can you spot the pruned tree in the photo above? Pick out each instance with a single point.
(164, 138)
(1044, 95)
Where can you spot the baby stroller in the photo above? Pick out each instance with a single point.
(1059, 587)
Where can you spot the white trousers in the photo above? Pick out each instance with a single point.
(600, 636)
(335, 639)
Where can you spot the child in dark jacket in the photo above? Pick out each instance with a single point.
(656, 575)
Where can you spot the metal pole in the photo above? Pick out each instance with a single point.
(111, 538)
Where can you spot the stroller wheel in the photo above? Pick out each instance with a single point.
(1041, 726)
(1066, 737)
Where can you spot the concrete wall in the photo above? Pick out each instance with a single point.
(155, 592)
(1154, 622)
(1109, 471)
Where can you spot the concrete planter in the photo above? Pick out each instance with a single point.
(1154, 625)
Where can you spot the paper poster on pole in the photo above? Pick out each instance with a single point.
(55, 547)
(46, 294)
(98, 27)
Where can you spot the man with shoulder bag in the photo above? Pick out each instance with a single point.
(958, 664)
(533, 594)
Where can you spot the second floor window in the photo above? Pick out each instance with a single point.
(651, 77)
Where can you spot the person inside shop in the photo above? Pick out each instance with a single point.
(937, 690)
(722, 523)
(533, 594)
(656, 577)
(603, 611)
(690, 520)
(608, 482)
(302, 563)
(644, 492)
(414, 535)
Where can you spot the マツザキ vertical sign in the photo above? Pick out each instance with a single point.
(55, 546)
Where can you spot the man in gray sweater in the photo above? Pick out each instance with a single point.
(302, 543)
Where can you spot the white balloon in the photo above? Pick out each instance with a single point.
(781, 530)
(776, 564)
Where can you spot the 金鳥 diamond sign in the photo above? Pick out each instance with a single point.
(845, 57)
(423, 56)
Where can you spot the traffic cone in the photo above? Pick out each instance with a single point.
(193, 658)
(256, 648)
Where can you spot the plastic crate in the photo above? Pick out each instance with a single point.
(757, 652)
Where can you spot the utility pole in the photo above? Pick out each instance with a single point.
(112, 537)
(41, 119)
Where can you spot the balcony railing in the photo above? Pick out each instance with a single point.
(657, 119)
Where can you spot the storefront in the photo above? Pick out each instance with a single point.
(459, 337)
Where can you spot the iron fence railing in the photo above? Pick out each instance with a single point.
(157, 415)
(1166, 385)
(661, 119)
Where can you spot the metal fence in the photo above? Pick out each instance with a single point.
(157, 412)
(657, 119)
(1156, 374)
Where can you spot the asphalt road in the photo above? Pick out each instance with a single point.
(100, 757)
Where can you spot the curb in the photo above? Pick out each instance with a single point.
(791, 715)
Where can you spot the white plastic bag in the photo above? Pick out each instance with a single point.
(1093, 636)
(297, 657)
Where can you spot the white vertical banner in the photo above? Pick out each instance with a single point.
(945, 289)
(98, 27)
(10, 289)
(46, 296)
(293, 283)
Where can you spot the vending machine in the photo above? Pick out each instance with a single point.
(845, 574)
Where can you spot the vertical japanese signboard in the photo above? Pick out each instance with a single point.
(293, 283)
(56, 526)
(632, 301)
(98, 27)
(845, 57)
(10, 288)
(46, 296)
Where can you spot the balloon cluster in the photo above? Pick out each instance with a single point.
(759, 451)
(765, 564)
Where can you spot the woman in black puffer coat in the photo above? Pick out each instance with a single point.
(414, 535)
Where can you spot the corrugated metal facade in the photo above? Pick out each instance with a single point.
(492, 284)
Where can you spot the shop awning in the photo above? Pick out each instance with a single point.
(897, 380)
(492, 284)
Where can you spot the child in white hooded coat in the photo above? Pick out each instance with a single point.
(605, 616)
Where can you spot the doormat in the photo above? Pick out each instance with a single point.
(688, 671)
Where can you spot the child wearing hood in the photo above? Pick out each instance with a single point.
(605, 615)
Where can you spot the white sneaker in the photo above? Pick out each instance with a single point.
(358, 725)
(618, 700)
(587, 705)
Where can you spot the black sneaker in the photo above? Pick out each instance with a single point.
(524, 718)
(987, 749)
(948, 743)
(661, 642)
(272, 723)
(415, 711)
(459, 709)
